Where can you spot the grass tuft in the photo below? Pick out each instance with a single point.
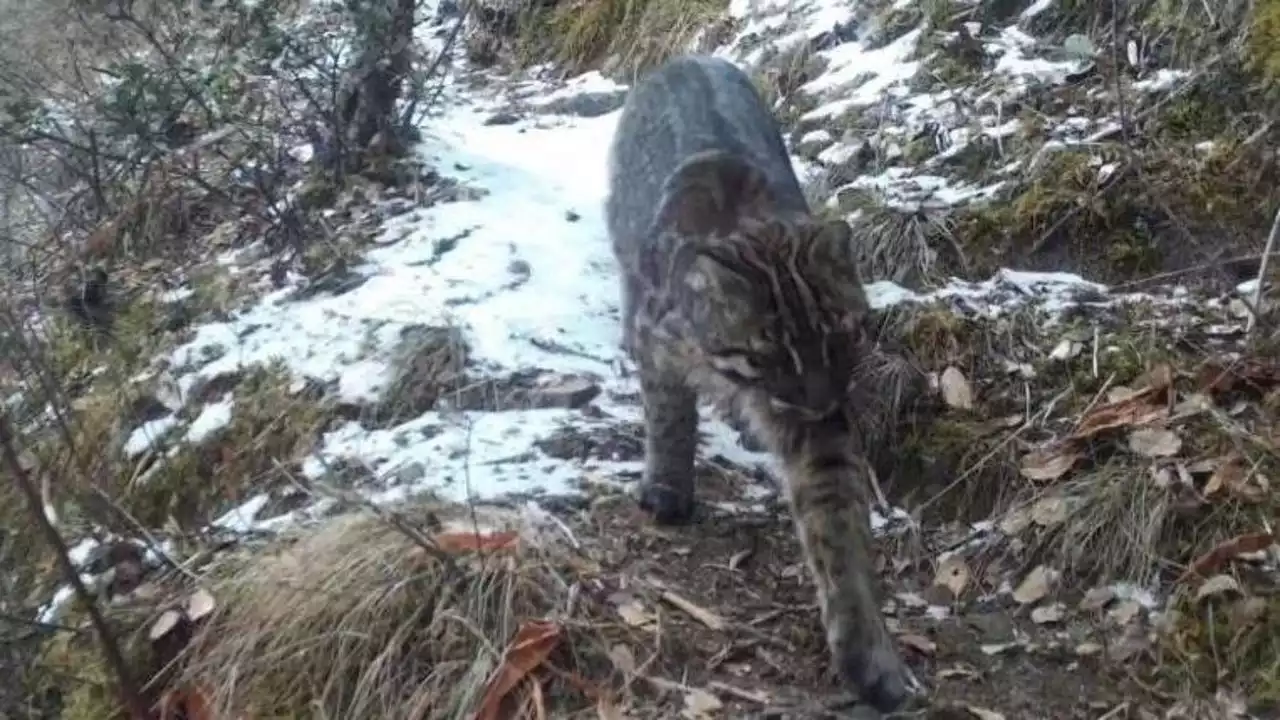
(358, 620)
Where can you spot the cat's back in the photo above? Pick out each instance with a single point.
(688, 105)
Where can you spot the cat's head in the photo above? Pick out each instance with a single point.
(770, 303)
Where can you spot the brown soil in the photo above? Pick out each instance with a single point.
(769, 660)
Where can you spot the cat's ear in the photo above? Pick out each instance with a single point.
(710, 192)
(832, 246)
(832, 251)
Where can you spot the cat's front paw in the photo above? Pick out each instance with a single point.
(877, 674)
(667, 505)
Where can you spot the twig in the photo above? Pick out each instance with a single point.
(110, 648)
(1262, 275)
(1160, 277)
(753, 697)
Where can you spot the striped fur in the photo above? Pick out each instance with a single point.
(733, 292)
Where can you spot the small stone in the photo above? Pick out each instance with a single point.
(410, 473)
(502, 118)
(567, 391)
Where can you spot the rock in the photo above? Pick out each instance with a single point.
(565, 391)
(410, 473)
(502, 117)
(813, 143)
(587, 104)
(428, 362)
(144, 409)
(210, 389)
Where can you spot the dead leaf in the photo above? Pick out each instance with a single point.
(983, 713)
(1216, 586)
(1232, 477)
(623, 658)
(165, 624)
(606, 709)
(533, 642)
(1035, 586)
(1141, 408)
(919, 643)
(1097, 598)
(1046, 614)
(1124, 611)
(1214, 377)
(736, 560)
(465, 542)
(1049, 512)
(956, 391)
(1226, 551)
(1160, 377)
(1049, 464)
(1066, 349)
(1015, 521)
(953, 574)
(634, 613)
(1088, 648)
(1154, 442)
(190, 703)
(699, 704)
(200, 604)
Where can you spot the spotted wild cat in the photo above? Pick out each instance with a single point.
(734, 292)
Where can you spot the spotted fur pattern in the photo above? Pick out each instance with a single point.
(733, 292)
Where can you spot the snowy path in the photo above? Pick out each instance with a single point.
(523, 267)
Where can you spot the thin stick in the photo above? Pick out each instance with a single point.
(1262, 275)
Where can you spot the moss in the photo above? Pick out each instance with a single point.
(271, 430)
(1264, 40)
(892, 24)
(1156, 214)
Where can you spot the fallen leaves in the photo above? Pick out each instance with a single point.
(919, 643)
(953, 574)
(1049, 464)
(1135, 409)
(1232, 479)
(1217, 586)
(1216, 378)
(469, 542)
(1213, 561)
(956, 391)
(1154, 442)
(530, 648)
(699, 704)
(1036, 585)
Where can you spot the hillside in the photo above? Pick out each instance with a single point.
(327, 429)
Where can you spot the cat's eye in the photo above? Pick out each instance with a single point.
(735, 366)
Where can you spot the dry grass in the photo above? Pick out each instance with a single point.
(633, 35)
(905, 246)
(357, 619)
(1117, 513)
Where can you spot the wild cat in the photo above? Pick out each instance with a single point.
(734, 292)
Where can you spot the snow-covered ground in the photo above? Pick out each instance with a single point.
(524, 269)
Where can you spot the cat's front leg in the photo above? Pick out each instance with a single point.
(671, 443)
